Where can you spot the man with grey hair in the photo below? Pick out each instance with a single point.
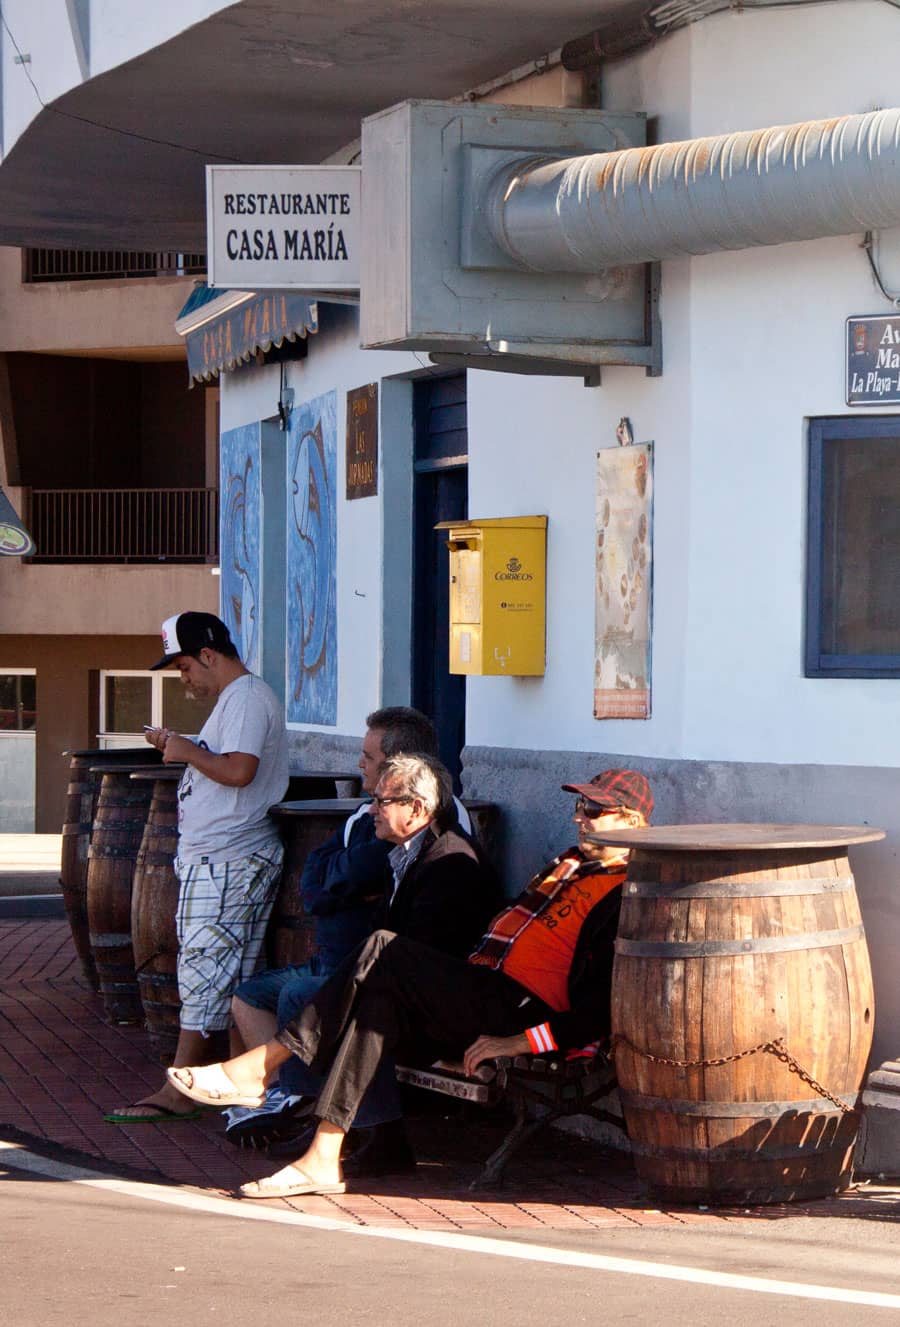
(441, 886)
(440, 891)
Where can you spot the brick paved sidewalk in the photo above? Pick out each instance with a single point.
(62, 1066)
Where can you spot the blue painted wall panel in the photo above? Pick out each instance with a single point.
(312, 562)
(239, 540)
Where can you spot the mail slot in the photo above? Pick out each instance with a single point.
(498, 583)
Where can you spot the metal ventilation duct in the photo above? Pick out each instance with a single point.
(735, 191)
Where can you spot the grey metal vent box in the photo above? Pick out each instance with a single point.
(430, 280)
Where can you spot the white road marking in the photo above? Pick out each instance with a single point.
(19, 1158)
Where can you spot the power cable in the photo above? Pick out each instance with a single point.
(23, 61)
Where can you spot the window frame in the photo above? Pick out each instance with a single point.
(822, 431)
(156, 696)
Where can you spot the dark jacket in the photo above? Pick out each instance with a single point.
(448, 896)
(590, 976)
(343, 887)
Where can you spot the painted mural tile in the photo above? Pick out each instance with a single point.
(239, 540)
(312, 562)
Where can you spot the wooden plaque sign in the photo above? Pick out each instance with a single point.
(362, 441)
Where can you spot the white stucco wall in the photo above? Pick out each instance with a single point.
(753, 346)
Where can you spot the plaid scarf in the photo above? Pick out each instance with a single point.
(535, 898)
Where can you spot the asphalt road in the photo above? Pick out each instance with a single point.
(107, 1255)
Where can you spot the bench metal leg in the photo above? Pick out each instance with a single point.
(491, 1175)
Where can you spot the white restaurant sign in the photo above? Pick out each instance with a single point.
(283, 227)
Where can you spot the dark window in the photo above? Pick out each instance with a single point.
(853, 572)
(18, 705)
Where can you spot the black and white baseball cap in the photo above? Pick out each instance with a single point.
(189, 633)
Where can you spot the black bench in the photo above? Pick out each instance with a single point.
(542, 1088)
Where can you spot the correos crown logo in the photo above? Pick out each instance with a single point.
(513, 572)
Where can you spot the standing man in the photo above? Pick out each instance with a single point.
(229, 852)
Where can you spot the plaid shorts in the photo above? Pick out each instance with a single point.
(223, 908)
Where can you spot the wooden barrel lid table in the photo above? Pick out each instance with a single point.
(742, 1009)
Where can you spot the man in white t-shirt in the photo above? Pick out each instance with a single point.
(229, 853)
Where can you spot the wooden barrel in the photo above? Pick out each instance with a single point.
(118, 828)
(742, 1010)
(154, 902)
(81, 802)
(303, 825)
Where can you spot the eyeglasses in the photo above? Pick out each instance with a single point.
(390, 801)
(593, 810)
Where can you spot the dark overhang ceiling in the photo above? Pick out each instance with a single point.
(118, 161)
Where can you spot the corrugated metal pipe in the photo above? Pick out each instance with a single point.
(735, 191)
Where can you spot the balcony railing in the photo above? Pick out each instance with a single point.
(125, 524)
(107, 265)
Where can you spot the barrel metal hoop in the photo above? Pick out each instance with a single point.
(835, 884)
(109, 939)
(729, 1157)
(732, 1110)
(103, 851)
(155, 979)
(677, 949)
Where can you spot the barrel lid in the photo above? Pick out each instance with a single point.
(729, 837)
(316, 805)
(341, 775)
(144, 754)
(165, 773)
(124, 767)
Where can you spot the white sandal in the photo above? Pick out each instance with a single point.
(210, 1085)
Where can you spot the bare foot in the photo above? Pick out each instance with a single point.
(169, 1100)
(163, 1105)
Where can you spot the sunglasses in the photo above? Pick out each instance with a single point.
(593, 810)
(391, 801)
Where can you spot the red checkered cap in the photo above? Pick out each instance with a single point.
(615, 788)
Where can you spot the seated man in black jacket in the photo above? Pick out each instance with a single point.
(342, 886)
(539, 980)
(439, 891)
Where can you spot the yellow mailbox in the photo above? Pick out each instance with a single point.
(498, 583)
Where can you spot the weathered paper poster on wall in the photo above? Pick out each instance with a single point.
(623, 593)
